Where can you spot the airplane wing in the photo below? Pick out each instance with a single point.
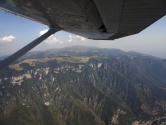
(94, 19)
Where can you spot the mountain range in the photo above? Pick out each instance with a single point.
(83, 86)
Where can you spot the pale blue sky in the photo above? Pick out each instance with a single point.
(15, 32)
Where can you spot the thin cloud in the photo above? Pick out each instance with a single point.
(81, 38)
(43, 31)
(51, 39)
(76, 38)
(7, 39)
(70, 39)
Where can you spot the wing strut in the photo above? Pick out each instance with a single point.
(25, 49)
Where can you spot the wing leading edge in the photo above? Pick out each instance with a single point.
(93, 19)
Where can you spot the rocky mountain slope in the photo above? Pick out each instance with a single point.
(83, 86)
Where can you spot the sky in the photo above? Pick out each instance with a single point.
(16, 32)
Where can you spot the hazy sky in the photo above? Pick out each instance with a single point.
(15, 32)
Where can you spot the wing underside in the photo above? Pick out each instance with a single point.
(94, 19)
